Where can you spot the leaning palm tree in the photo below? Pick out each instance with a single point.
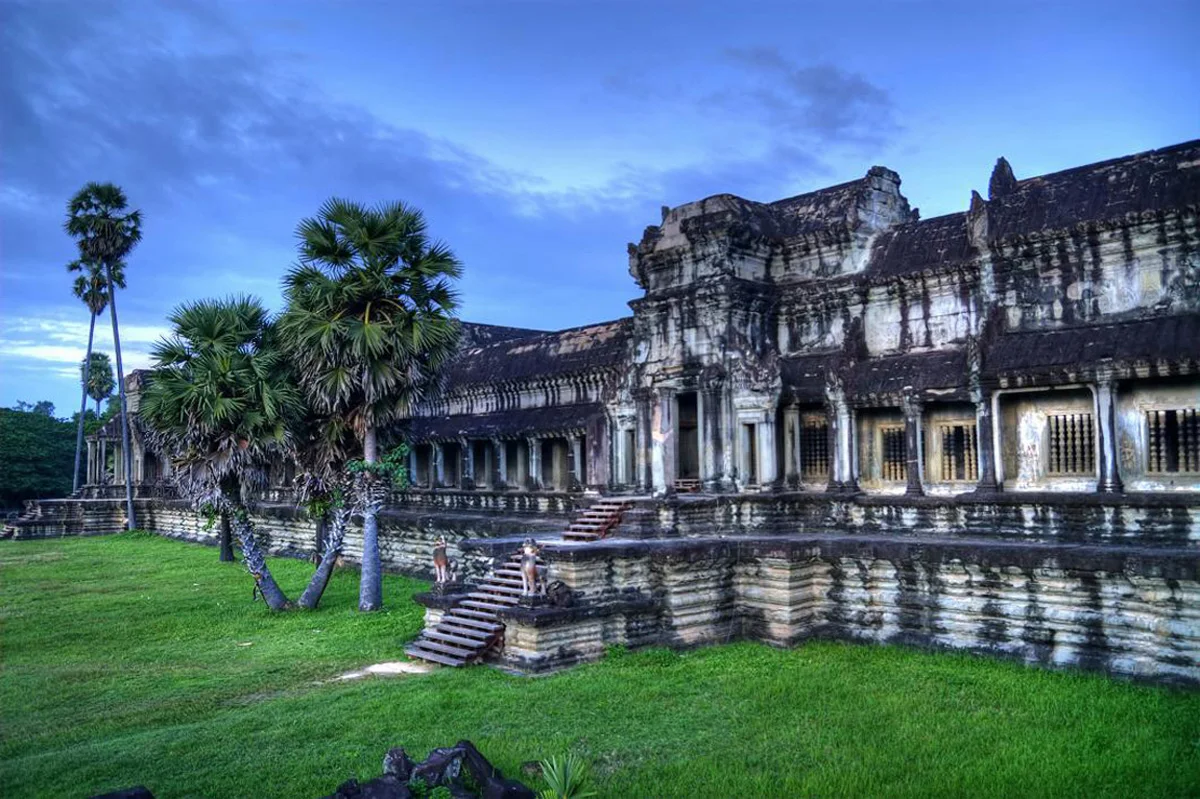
(220, 405)
(369, 326)
(98, 377)
(91, 288)
(106, 233)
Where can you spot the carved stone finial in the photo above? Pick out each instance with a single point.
(977, 221)
(1003, 181)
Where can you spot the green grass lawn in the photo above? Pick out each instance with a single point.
(134, 659)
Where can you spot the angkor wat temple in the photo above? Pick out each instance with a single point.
(830, 417)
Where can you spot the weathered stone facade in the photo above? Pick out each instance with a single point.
(980, 430)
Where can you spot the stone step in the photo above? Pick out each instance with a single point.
(504, 579)
(450, 639)
(453, 616)
(503, 599)
(453, 627)
(500, 588)
(482, 615)
(489, 606)
(449, 650)
(573, 536)
(413, 651)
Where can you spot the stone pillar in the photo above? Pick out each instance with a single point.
(662, 443)
(985, 444)
(438, 478)
(467, 470)
(842, 473)
(912, 446)
(499, 464)
(535, 463)
(768, 462)
(716, 438)
(412, 465)
(103, 461)
(1108, 464)
(791, 452)
(575, 453)
(642, 456)
(90, 466)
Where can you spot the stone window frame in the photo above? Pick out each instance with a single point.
(898, 465)
(1077, 432)
(1191, 459)
(936, 466)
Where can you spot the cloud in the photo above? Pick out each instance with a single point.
(45, 341)
(824, 101)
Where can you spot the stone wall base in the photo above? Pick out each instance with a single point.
(1133, 613)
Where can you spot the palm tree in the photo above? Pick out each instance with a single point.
(106, 233)
(369, 327)
(91, 288)
(221, 404)
(98, 377)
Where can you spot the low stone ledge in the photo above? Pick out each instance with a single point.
(549, 616)
(1151, 561)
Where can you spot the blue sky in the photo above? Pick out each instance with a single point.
(538, 137)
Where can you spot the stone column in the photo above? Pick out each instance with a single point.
(768, 471)
(716, 440)
(575, 453)
(499, 464)
(412, 465)
(1109, 468)
(642, 439)
(842, 474)
(535, 463)
(912, 446)
(791, 438)
(985, 444)
(662, 442)
(467, 469)
(438, 478)
(103, 461)
(90, 468)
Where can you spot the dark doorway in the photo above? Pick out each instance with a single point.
(689, 436)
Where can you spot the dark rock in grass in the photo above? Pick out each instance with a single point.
(397, 763)
(136, 792)
(460, 768)
(386, 787)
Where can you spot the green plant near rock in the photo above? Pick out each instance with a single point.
(419, 788)
(567, 778)
(441, 792)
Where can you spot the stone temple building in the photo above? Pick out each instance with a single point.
(828, 417)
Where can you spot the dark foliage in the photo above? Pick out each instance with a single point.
(35, 455)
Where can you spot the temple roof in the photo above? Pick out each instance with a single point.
(915, 246)
(1169, 338)
(918, 371)
(553, 420)
(542, 355)
(1154, 180)
(477, 334)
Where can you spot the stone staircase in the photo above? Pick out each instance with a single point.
(597, 521)
(469, 629)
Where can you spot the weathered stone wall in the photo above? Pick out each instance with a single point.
(1127, 611)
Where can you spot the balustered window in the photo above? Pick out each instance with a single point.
(1174, 440)
(895, 454)
(960, 452)
(1072, 444)
(814, 451)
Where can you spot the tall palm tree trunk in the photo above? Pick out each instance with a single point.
(256, 563)
(332, 548)
(87, 365)
(370, 587)
(125, 451)
(226, 539)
